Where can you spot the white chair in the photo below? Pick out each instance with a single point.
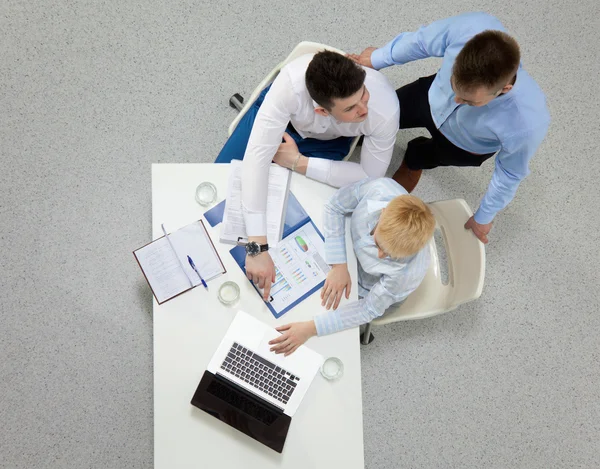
(466, 270)
(237, 102)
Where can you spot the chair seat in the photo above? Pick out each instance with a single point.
(466, 268)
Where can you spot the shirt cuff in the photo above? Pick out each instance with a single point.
(377, 59)
(256, 224)
(318, 169)
(335, 250)
(323, 324)
(482, 217)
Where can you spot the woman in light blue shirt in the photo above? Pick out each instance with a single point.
(390, 231)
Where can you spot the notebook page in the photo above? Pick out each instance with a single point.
(162, 270)
(192, 240)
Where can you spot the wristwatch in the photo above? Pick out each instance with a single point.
(253, 249)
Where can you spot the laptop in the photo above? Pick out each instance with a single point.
(253, 389)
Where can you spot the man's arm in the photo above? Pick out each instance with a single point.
(430, 40)
(268, 128)
(512, 166)
(270, 123)
(375, 157)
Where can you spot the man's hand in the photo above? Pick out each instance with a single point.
(261, 271)
(293, 336)
(288, 153)
(481, 231)
(364, 58)
(338, 280)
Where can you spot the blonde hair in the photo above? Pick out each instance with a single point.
(405, 226)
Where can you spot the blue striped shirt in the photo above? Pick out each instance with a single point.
(381, 282)
(513, 124)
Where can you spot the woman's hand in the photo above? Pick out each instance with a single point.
(338, 280)
(293, 336)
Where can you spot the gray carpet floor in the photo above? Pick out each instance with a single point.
(92, 93)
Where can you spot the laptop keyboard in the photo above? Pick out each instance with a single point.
(260, 373)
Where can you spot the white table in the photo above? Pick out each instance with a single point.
(326, 431)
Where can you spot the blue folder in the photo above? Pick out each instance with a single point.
(295, 215)
(295, 218)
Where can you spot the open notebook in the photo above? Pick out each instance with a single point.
(165, 265)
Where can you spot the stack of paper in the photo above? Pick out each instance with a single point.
(233, 226)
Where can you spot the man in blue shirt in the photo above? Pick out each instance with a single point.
(481, 102)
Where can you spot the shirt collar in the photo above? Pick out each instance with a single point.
(376, 205)
(374, 208)
(514, 90)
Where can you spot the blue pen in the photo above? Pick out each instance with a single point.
(196, 270)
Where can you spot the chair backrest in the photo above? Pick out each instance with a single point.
(301, 49)
(466, 268)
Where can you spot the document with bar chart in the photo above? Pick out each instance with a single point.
(300, 268)
(299, 258)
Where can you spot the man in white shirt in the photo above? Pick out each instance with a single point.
(318, 98)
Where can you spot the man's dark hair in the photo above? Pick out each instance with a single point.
(332, 76)
(489, 59)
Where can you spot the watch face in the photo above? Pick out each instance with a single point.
(252, 248)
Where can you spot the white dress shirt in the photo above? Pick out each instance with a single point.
(287, 101)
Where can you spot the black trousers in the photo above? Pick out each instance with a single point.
(428, 153)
